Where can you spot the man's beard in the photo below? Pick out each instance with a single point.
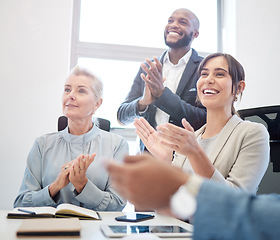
(183, 42)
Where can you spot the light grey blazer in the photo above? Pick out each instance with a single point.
(240, 155)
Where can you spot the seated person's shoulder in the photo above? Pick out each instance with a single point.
(254, 128)
(110, 136)
(48, 138)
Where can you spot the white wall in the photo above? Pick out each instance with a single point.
(34, 61)
(257, 47)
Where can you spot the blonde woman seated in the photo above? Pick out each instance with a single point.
(226, 149)
(65, 166)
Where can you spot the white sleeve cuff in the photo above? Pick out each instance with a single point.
(218, 177)
(193, 185)
(183, 202)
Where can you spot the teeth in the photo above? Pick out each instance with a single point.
(173, 33)
(209, 91)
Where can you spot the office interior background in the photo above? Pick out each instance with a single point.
(35, 47)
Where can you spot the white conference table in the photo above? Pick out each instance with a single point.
(90, 228)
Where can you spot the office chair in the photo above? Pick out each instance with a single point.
(103, 124)
(269, 116)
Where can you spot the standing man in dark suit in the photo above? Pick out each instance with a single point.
(164, 89)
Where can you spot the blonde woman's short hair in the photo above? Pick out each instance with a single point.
(97, 84)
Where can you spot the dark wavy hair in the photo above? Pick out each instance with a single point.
(236, 71)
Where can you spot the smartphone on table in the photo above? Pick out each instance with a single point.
(134, 217)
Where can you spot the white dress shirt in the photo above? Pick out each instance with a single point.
(172, 73)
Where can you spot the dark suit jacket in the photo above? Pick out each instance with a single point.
(180, 105)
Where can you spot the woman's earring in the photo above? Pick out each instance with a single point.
(235, 98)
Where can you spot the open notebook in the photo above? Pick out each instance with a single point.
(63, 210)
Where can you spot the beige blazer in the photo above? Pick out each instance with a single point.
(240, 155)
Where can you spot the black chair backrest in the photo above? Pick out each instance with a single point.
(103, 124)
(270, 117)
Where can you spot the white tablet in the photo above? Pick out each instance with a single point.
(117, 231)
